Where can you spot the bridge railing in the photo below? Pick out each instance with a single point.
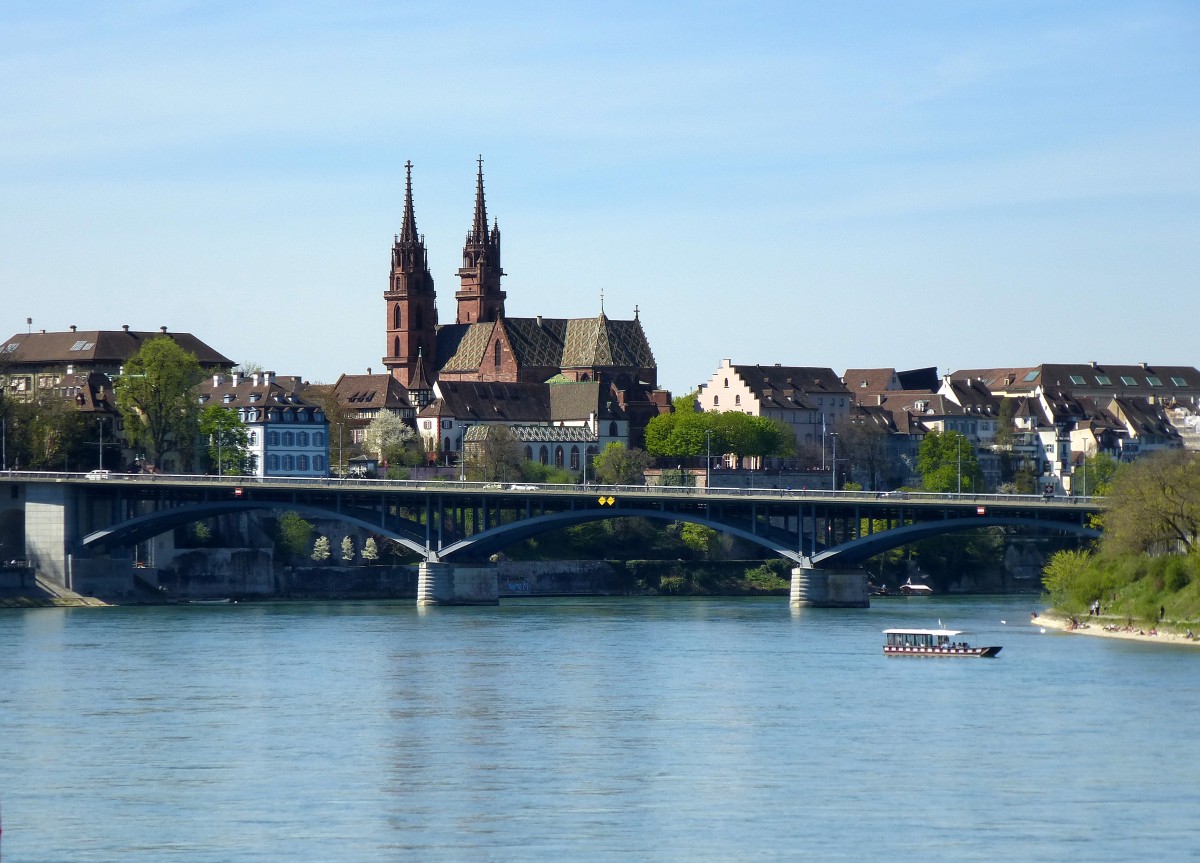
(645, 491)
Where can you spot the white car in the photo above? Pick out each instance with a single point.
(518, 487)
(99, 474)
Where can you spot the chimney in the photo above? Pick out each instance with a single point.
(539, 320)
(73, 328)
(235, 378)
(162, 329)
(254, 378)
(125, 327)
(368, 370)
(216, 381)
(268, 377)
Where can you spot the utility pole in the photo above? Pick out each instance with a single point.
(707, 460)
(960, 464)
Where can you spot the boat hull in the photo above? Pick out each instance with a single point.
(900, 650)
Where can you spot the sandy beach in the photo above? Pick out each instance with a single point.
(1096, 626)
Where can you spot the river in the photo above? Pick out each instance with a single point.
(587, 730)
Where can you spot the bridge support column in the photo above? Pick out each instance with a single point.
(829, 588)
(454, 584)
(47, 535)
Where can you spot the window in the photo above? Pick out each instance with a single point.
(1078, 380)
(273, 438)
(396, 346)
(1179, 382)
(612, 429)
(716, 401)
(302, 462)
(446, 444)
(726, 383)
(396, 317)
(318, 462)
(289, 463)
(528, 453)
(1104, 380)
(302, 439)
(737, 400)
(447, 424)
(497, 353)
(1154, 381)
(558, 456)
(289, 439)
(574, 458)
(544, 455)
(253, 438)
(318, 438)
(1128, 381)
(273, 462)
(1032, 376)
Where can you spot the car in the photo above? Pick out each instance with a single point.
(99, 474)
(520, 487)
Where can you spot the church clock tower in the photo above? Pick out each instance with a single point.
(410, 298)
(479, 296)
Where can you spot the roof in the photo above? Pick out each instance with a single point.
(785, 387)
(102, 348)
(498, 402)
(535, 433)
(870, 381)
(261, 391)
(370, 391)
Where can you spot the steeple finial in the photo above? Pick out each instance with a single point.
(408, 230)
(602, 301)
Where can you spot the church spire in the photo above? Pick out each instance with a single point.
(408, 229)
(410, 298)
(480, 299)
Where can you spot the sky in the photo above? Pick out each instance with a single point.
(845, 185)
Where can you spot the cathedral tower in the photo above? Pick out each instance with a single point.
(479, 296)
(410, 298)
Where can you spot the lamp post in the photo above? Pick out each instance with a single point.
(834, 460)
(707, 460)
(100, 445)
(960, 464)
(462, 455)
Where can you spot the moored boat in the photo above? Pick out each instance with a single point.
(932, 642)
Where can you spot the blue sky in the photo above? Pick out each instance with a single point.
(847, 185)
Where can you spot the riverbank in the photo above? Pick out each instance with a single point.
(1105, 627)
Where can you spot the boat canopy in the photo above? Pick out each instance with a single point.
(949, 633)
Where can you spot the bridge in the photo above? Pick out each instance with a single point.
(455, 525)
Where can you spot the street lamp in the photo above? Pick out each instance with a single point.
(100, 445)
(960, 464)
(834, 460)
(707, 460)
(462, 455)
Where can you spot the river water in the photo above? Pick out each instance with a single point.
(587, 730)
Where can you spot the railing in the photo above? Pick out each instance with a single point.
(564, 489)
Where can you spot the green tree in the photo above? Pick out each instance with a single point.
(227, 440)
(370, 550)
(621, 465)
(687, 403)
(321, 550)
(945, 457)
(156, 397)
(50, 434)
(341, 431)
(1154, 506)
(1095, 476)
(293, 534)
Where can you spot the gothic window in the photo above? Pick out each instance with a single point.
(737, 400)
(558, 456)
(446, 445)
(544, 456)
(396, 317)
(726, 383)
(612, 429)
(574, 458)
(396, 347)
(716, 400)
(497, 353)
(528, 453)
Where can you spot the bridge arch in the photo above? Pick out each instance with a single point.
(143, 527)
(860, 549)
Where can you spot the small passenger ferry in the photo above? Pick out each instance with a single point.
(931, 642)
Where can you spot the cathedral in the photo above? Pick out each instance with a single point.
(484, 345)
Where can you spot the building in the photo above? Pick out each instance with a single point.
(485, 345)
(812, 401)
(287, 435)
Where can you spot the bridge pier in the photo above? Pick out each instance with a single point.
(829, 588)
(455, 584)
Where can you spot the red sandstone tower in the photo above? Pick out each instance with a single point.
(410, 297)
(479, 296)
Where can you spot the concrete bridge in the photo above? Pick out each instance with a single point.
(79, 529)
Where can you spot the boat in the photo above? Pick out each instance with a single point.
(931, 642)
(910, 589)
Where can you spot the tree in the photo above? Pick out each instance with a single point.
(341, 435)
(370, 550)
(347, 548)
(321, 549)
(227, 440)
(621, 465)
(1095, 476)
(1154, 506)
(293, 533)
(865, 448)
(688, 403)
(156, 397)
(49, 434)
(944, 458)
